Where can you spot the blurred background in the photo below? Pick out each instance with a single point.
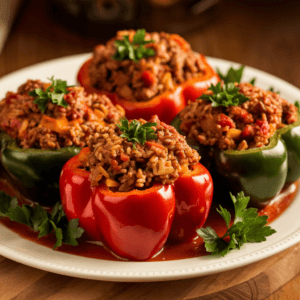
(262, 34)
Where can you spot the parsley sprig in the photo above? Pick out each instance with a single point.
(247, 227)
(226, 95)
(234, 75)
(137, 133)
(41, 220)
(55, 93)
(134, 50)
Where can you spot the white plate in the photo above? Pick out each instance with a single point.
(29, 253)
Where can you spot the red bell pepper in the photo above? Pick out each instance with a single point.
(76, 195)
(166, 105)
(136, 224)
(194, 193)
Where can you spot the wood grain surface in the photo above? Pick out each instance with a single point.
(261, 34)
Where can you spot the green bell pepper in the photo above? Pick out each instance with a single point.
(261, 172)
(291, 136)
(34, 173)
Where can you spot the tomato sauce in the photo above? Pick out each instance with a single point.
(171, 251)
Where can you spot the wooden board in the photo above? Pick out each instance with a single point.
(255, 281)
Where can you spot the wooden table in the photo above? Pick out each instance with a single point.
(264, 36)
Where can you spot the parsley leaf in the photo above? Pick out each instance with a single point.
(271, 89)
(247, 227)
(55, 93)
(134, 50)
(234, 75)
(137, 133)
(41, 220)
(252, 81)
(228, 95)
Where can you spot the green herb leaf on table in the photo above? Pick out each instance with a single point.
(137, 133)
(134, 50)
(55, 93)
(228, 95)
(247, 227)
(41, 220)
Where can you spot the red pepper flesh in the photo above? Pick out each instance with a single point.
(194, 193)
(135, 224)
(76, 196)
(166, 105)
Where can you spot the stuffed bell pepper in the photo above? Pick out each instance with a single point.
(137, 185)
(249, 137)
(42, 126)
(147, 73)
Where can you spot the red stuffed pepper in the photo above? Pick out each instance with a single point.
(148, 74)
(126, 189)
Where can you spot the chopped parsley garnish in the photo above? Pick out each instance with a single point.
(228, 95)
(55, 93)
(41, 220)
(137, 133)
(271, 89)
(252, 81)
(247, 227)
(134, 50)
(234, 75)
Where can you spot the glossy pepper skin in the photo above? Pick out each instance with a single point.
(194, 193)
(261, 173)
(34, 173)
(291, 136)
(136, 224)
(166, 105)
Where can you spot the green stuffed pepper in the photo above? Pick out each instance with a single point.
(249, 138)
(42, 126)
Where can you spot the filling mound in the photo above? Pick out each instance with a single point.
(58, 126)
(125, 165)
(173, 62)
(248, 125)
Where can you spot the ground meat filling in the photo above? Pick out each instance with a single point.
(173, 63)
(114, 160)
(59, 126)
(249, 125)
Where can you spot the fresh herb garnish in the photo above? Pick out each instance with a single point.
(247, 227)
(234, 75)
(271, 89)
(41, 220)
(55, 92)
(134, 50)
(252, 81)
(297, 104)
(137, 133)
(228, 95)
